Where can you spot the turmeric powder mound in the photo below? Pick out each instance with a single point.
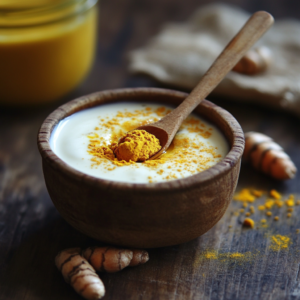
(137, 145)
(248, 223)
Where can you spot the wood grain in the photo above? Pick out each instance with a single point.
(32, 232)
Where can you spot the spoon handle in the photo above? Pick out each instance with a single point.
(254, 28)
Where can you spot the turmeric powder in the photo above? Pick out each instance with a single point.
(79, 274)
(248, 223)
(267, 156)
(188, 153)
(137, 145)
(245, 195)
(279, 242)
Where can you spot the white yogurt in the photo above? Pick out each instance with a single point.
(198, 145)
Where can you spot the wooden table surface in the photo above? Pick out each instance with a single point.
(32, 231)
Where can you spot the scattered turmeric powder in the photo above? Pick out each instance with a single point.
(290, 201)
(211, 255)
(275, 194)
(79, 274)
(257, 193)
(187, 154)
(279, 242)
(229, 256)
(245, 195)
(269, 204)
(267, 156)
(279, 203)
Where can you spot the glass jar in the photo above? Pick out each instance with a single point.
(46, 48)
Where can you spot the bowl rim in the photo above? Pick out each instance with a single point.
(224, 166)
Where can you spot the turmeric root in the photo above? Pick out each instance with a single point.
(267, 156)
(139, 257)
(107, 258)
(254, 61)
(79, 274)
(113, 259)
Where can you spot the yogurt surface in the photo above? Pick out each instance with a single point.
(77, 139)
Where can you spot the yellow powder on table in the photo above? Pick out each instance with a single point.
(269, 204)
(211, 255)
(279, 203)
(275, 194)
(236, 255)
(245, 195)
(279, 242)
(257, 193)
(290, 201)
(228, 257)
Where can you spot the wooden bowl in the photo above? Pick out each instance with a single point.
(142, 215)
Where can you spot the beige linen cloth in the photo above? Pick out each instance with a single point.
(181, 53)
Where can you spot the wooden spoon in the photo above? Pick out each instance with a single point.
(166, 128)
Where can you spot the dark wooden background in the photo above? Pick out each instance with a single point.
(32, 231)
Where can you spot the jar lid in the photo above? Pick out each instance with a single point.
(20, 13)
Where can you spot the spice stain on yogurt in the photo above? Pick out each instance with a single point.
(93, 134)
